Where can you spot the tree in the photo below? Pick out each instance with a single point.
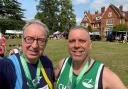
(47, 12)
(56, 14)
(89, 28)
(11, 15)
(67, 18)
(1, 8)
(120, 27)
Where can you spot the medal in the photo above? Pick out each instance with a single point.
(36, 81)
(33, 84)
(69, 86)
(78, 78)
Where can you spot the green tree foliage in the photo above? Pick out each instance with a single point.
(120, 27)
(89, 28)
(67, 18)
(11, 15)
(47, 12)
(56, 14)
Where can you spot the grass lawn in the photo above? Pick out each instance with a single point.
(114, 55)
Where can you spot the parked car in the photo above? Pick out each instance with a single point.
(95, 36)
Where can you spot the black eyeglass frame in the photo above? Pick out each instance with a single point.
(30, 40)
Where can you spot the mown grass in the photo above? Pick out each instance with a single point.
(113, 54)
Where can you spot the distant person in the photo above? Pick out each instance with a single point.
(79, 70)
(65, 34)
(1, 50)
(3, 41)
(125, 39)
(29, 68)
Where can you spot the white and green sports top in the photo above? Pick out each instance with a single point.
(91, 79)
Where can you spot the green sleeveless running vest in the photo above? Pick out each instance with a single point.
(89, 80)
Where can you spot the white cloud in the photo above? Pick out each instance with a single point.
(77, 2)
(125, 7)
(121, 2)
(98, 4)
(78, 20)
(94, 5)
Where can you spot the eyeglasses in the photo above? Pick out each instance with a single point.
(30, 40)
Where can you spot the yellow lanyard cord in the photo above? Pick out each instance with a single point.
(46, 77)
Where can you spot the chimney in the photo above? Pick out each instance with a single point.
(96, 12)
(84, 12)
(102, 10)
(121, 8)
(89, 12)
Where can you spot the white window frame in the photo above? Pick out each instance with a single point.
(110, 14)
(109, 22)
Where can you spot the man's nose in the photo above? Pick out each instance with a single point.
(77, 44)
(35, 44)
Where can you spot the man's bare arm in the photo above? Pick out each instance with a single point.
(111, 80)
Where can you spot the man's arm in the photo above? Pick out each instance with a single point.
(111, 80)
(12, 51)
(58, 68)
(7, 74)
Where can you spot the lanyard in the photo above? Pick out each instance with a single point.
(31, 83)
(46, 77)
(81, 73)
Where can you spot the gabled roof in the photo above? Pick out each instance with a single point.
(116, 10)
(91, 17)
(95, 16)
(86, 16)
(121, 13)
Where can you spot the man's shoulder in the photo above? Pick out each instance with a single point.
(6, 65)
(112, 80)
(44, 58)
(45, 61)
(5, 60)
(7, 74)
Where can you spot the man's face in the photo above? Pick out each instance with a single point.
(79, 44)
(33, 49)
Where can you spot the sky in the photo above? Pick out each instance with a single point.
(79, 6)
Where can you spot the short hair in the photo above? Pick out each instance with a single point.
(35, 21)
(79, 27)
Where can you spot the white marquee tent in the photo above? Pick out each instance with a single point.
(13, 32)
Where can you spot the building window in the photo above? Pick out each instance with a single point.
(96, 25)
(110, 14)
(109, 21)
(98, 17)
(85, 24)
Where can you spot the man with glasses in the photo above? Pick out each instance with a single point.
(29, 68)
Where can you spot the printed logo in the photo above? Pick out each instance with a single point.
(34, 82)
(61, 86)
(88, 83)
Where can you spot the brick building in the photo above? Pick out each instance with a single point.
(104, 20)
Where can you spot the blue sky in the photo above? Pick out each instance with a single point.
(79, 6)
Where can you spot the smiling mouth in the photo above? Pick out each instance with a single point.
(34, 52)
(77, 53)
